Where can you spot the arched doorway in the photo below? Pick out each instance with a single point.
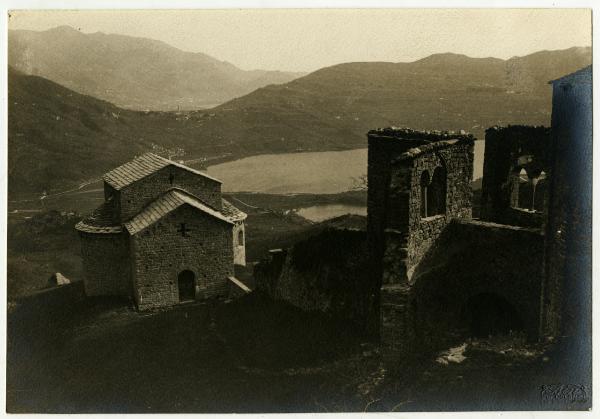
(186, 284)
(488, 314)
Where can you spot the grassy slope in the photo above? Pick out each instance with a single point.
(58, 138)
(40, 247)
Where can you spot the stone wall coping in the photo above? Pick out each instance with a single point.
(239, 284)
(411, 134)
(527, 211)
(395, 288)
(488, 224)
(432, 218)
(541, 129)
(415, 152)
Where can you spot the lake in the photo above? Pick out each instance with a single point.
(326, 172)
(318, 213)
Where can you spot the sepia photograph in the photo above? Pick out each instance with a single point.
(297, 210)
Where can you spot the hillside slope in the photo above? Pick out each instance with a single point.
(58, 137)
(335, 106)
(134, 73)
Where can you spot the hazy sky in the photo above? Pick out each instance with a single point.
(305, 40)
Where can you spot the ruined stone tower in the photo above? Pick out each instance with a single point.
(418, 183)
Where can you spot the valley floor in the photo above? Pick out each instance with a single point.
(247, 355)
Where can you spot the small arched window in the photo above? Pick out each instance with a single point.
(436, 193)
(529, 189)
(240, 238)
(424, 187)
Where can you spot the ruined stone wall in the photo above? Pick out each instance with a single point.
(383, 149)
(408, 235)
(469, 259)
(161, 253)
(457, 161)
(397, 235)
(239, 244)
(135, 197)
(106, 264)
(507, 151)
(327, 273)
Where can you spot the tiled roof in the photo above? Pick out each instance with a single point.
(163, 205)
(143, 166)
(100, 221)
(232, 212)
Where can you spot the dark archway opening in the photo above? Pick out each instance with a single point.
(186, 284)
(489, 314)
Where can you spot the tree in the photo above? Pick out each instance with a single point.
(360, 183)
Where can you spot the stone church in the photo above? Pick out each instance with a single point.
(163, 235)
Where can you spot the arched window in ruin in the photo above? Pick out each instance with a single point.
(529, 189)
(436, 193)
(240, 238)
(424, 192)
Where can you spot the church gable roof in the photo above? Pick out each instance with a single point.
(164, 205)
(143, 166)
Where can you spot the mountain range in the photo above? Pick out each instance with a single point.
(133, 73)
(58, 138)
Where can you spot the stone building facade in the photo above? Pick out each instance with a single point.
(163, 235)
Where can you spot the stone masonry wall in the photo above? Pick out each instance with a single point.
(474, 257)
(470, 258)
(106, 264)
(327, 273)
(135, 197)
(161, 253)
(385, 147)
(414, 235)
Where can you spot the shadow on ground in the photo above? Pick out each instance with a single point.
(246, 356)
(249, 355)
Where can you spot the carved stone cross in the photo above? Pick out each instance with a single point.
(183, 230)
